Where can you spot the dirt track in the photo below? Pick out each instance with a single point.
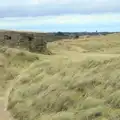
(3, 114)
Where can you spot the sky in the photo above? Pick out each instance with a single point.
(60, 15)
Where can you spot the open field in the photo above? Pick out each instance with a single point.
(81, 81)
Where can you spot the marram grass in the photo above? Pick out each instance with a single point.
(79, 83)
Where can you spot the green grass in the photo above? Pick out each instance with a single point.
(81, 81)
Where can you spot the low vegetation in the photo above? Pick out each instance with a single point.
(12, 62)
(80, 81)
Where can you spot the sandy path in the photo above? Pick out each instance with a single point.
(80, 56)
(3, 114)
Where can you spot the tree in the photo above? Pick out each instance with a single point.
(59, 34)
(76, 36)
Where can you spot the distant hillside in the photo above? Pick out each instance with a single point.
(47, 36)
(32, 41)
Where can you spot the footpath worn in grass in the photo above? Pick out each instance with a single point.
(81, 81)
(12, 62)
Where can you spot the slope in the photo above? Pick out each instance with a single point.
(80, 81)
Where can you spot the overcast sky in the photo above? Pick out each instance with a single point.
(60, 15)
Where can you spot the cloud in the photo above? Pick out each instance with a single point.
(60, 15)
(76, 22)
(9, 3)
(23, 8)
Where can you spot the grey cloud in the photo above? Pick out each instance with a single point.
(72, 7)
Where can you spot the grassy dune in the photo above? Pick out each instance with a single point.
(81, 81)
(12, 62)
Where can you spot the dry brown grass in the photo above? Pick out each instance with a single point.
(80, 81)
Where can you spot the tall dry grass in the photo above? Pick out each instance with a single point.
(80, 81)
